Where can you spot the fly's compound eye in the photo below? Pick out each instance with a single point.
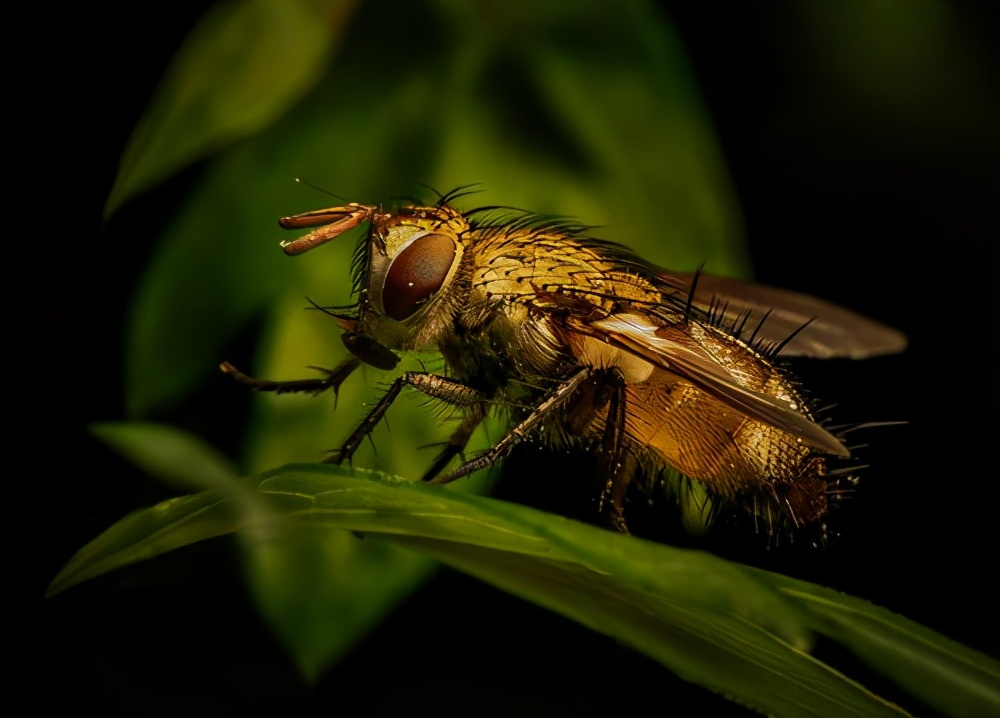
(416, 274)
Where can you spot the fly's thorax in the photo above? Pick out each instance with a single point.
(530, 280)
(538, 268)
(494, 342)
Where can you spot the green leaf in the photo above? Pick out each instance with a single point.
(946, 675)
(244, 64)
(739, 631)
(147, 533)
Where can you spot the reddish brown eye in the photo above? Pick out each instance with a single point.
(416, 273)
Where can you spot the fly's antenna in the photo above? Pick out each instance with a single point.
(310, 185)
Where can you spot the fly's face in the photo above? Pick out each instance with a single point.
(412, 258)
(406, 265)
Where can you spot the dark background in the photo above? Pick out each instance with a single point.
(905, 231)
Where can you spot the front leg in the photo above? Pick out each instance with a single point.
(333, 379)
(433, 385)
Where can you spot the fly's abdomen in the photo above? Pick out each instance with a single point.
(741, 459)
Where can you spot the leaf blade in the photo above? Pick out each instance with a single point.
(145, 534)
(946, 675)
(692, 612)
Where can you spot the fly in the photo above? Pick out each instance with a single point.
(583, 344)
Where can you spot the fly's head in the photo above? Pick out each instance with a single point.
(404, 268)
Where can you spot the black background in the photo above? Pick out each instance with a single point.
(908, 238)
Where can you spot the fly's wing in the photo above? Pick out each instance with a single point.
(802, 325)
(665, 347)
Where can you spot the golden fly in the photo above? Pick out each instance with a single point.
(582, 344)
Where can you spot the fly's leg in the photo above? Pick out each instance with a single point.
(613, 459)
(433, 385)
(333, 379)
(520, 432)
(456, 444)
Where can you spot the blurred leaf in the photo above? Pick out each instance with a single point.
(594, 115)
(739, 631)
(242, 66)
(946, 675)
(322, 591)
(172, 455)
(212, 275)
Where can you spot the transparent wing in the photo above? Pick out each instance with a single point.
(821, 330)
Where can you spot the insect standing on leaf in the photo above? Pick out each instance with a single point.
(582, 344)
